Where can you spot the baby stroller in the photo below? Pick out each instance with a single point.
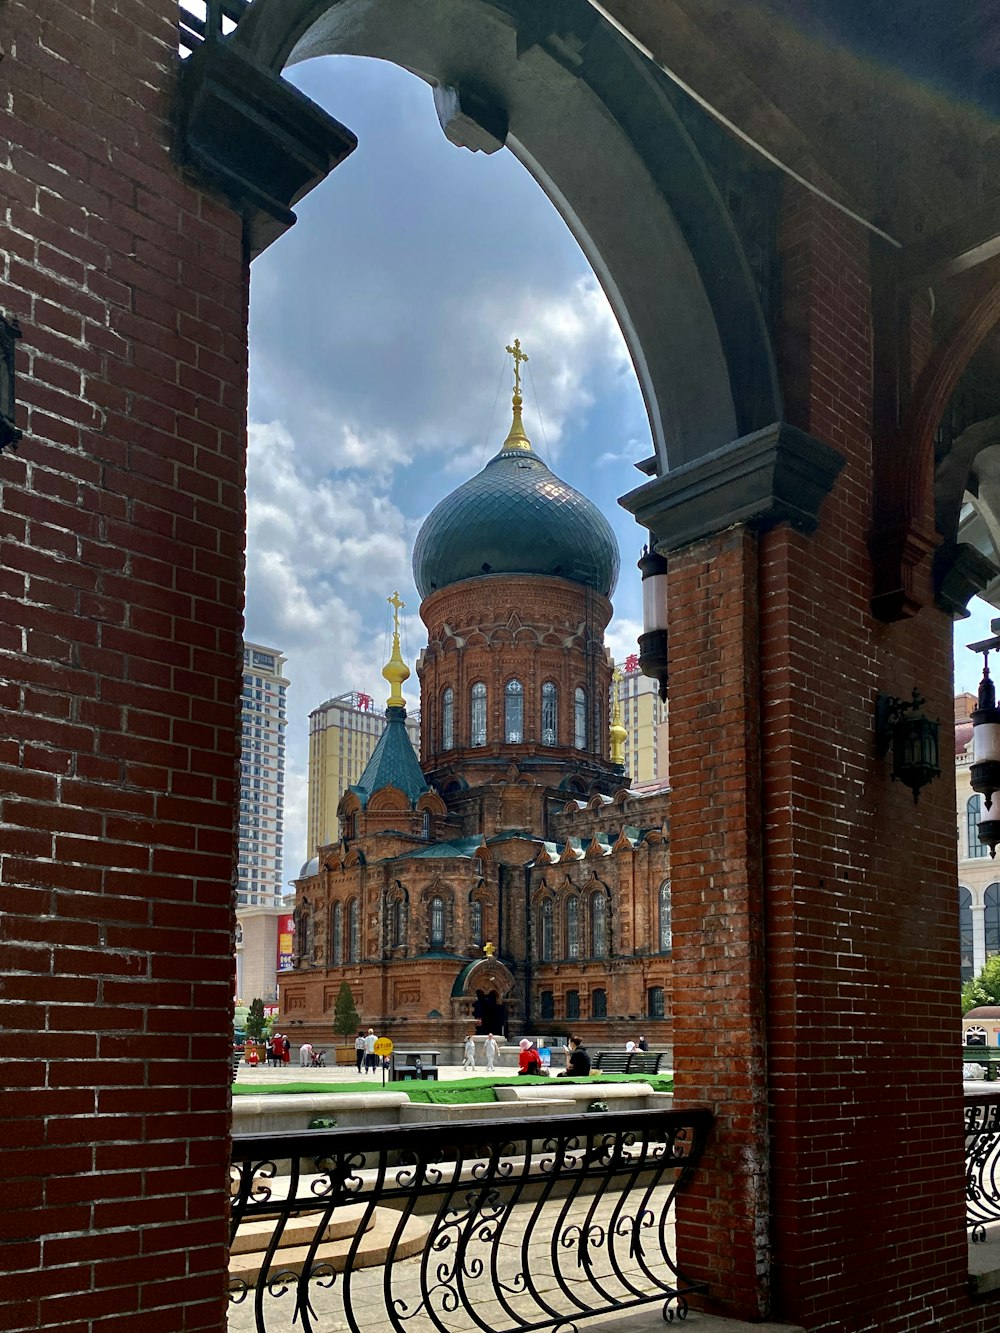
(318, 1060)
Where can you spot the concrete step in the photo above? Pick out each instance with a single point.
(293, 1251)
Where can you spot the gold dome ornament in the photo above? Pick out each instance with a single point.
(617, 733)
(516, 438)
(395, 670)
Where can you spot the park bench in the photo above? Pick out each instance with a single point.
(629, 1062)
(237, 1061)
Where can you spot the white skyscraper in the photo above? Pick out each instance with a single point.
(262, 797)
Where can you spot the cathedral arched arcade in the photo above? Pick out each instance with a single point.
(817, 420)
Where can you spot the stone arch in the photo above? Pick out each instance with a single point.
(671, 264)
(388, 798)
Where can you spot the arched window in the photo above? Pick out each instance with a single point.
(545, 948)
(572, 1004)
(437, 923)
(337, 933)
(580, 718)
(477, 730)
(654, 998)
(426, 824)
(513, 712)
(598, 925)
(353, 932)
(550, 713)
(573, 928)
(965, 933)
(448, 719)
(476, 923)
(973, 814)
(599, 1003)
(666, 934)
(399, 923)
(546, 1007)
(991, 919)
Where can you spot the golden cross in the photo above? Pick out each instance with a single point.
(518, 356)
(397, 606)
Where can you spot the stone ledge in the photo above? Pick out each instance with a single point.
(776, 475)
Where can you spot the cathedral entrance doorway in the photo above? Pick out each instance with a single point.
(489, 1013)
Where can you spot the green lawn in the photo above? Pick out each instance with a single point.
(450, 1093)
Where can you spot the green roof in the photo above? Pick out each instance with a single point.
(393, 763)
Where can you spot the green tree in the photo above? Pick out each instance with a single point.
(346, 1018)
(985, 988)
(255, 1020)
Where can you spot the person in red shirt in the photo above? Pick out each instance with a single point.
(529, 1061)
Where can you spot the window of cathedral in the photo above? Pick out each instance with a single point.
(599, 1003)
(580, 718)
(477, 731)
(426, 825)
(513, 712)
(572, 1005)
(476, 924)
(354, 931)
(437, 923)
(654, 997)
(546, 1005)
(337, 934)
(991, 919)
(550, 713)
(573, 928)
(477, 868)
(598, 925)
(545, 947)
(973, 812)
(448, 719)
(666, 932)
(399, 923)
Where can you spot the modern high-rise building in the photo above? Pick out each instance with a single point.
(343, 732)
(644, 718)
(262, 797)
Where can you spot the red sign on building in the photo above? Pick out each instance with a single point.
(286, 934)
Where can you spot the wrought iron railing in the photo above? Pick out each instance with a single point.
(982, 1162)
(502, 1226)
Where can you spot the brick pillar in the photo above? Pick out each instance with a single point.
(816, 950)
(715, 846)
(121, 580)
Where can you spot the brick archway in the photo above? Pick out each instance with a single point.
(672, 264)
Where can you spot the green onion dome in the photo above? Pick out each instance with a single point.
(515, 517)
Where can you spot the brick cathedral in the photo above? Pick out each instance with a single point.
(510, 881)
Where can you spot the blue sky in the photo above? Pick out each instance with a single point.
(379, 382)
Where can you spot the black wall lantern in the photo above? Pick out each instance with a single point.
(901, 724)
(653, 639)
(984, 774)
(9, 333)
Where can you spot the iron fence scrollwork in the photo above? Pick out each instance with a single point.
(503, 1226)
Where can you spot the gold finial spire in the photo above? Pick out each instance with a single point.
(395, 670)
(617, 733)
(516, 438)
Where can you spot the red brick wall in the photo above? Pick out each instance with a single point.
(861, 1147)
(121, 586)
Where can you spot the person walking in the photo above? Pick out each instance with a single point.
(359, 1049)
(491, 1050)
(469, 1054)
(371, 1060)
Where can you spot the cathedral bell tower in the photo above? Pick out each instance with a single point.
(515, 569)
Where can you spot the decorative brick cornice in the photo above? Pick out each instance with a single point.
(776, 475)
